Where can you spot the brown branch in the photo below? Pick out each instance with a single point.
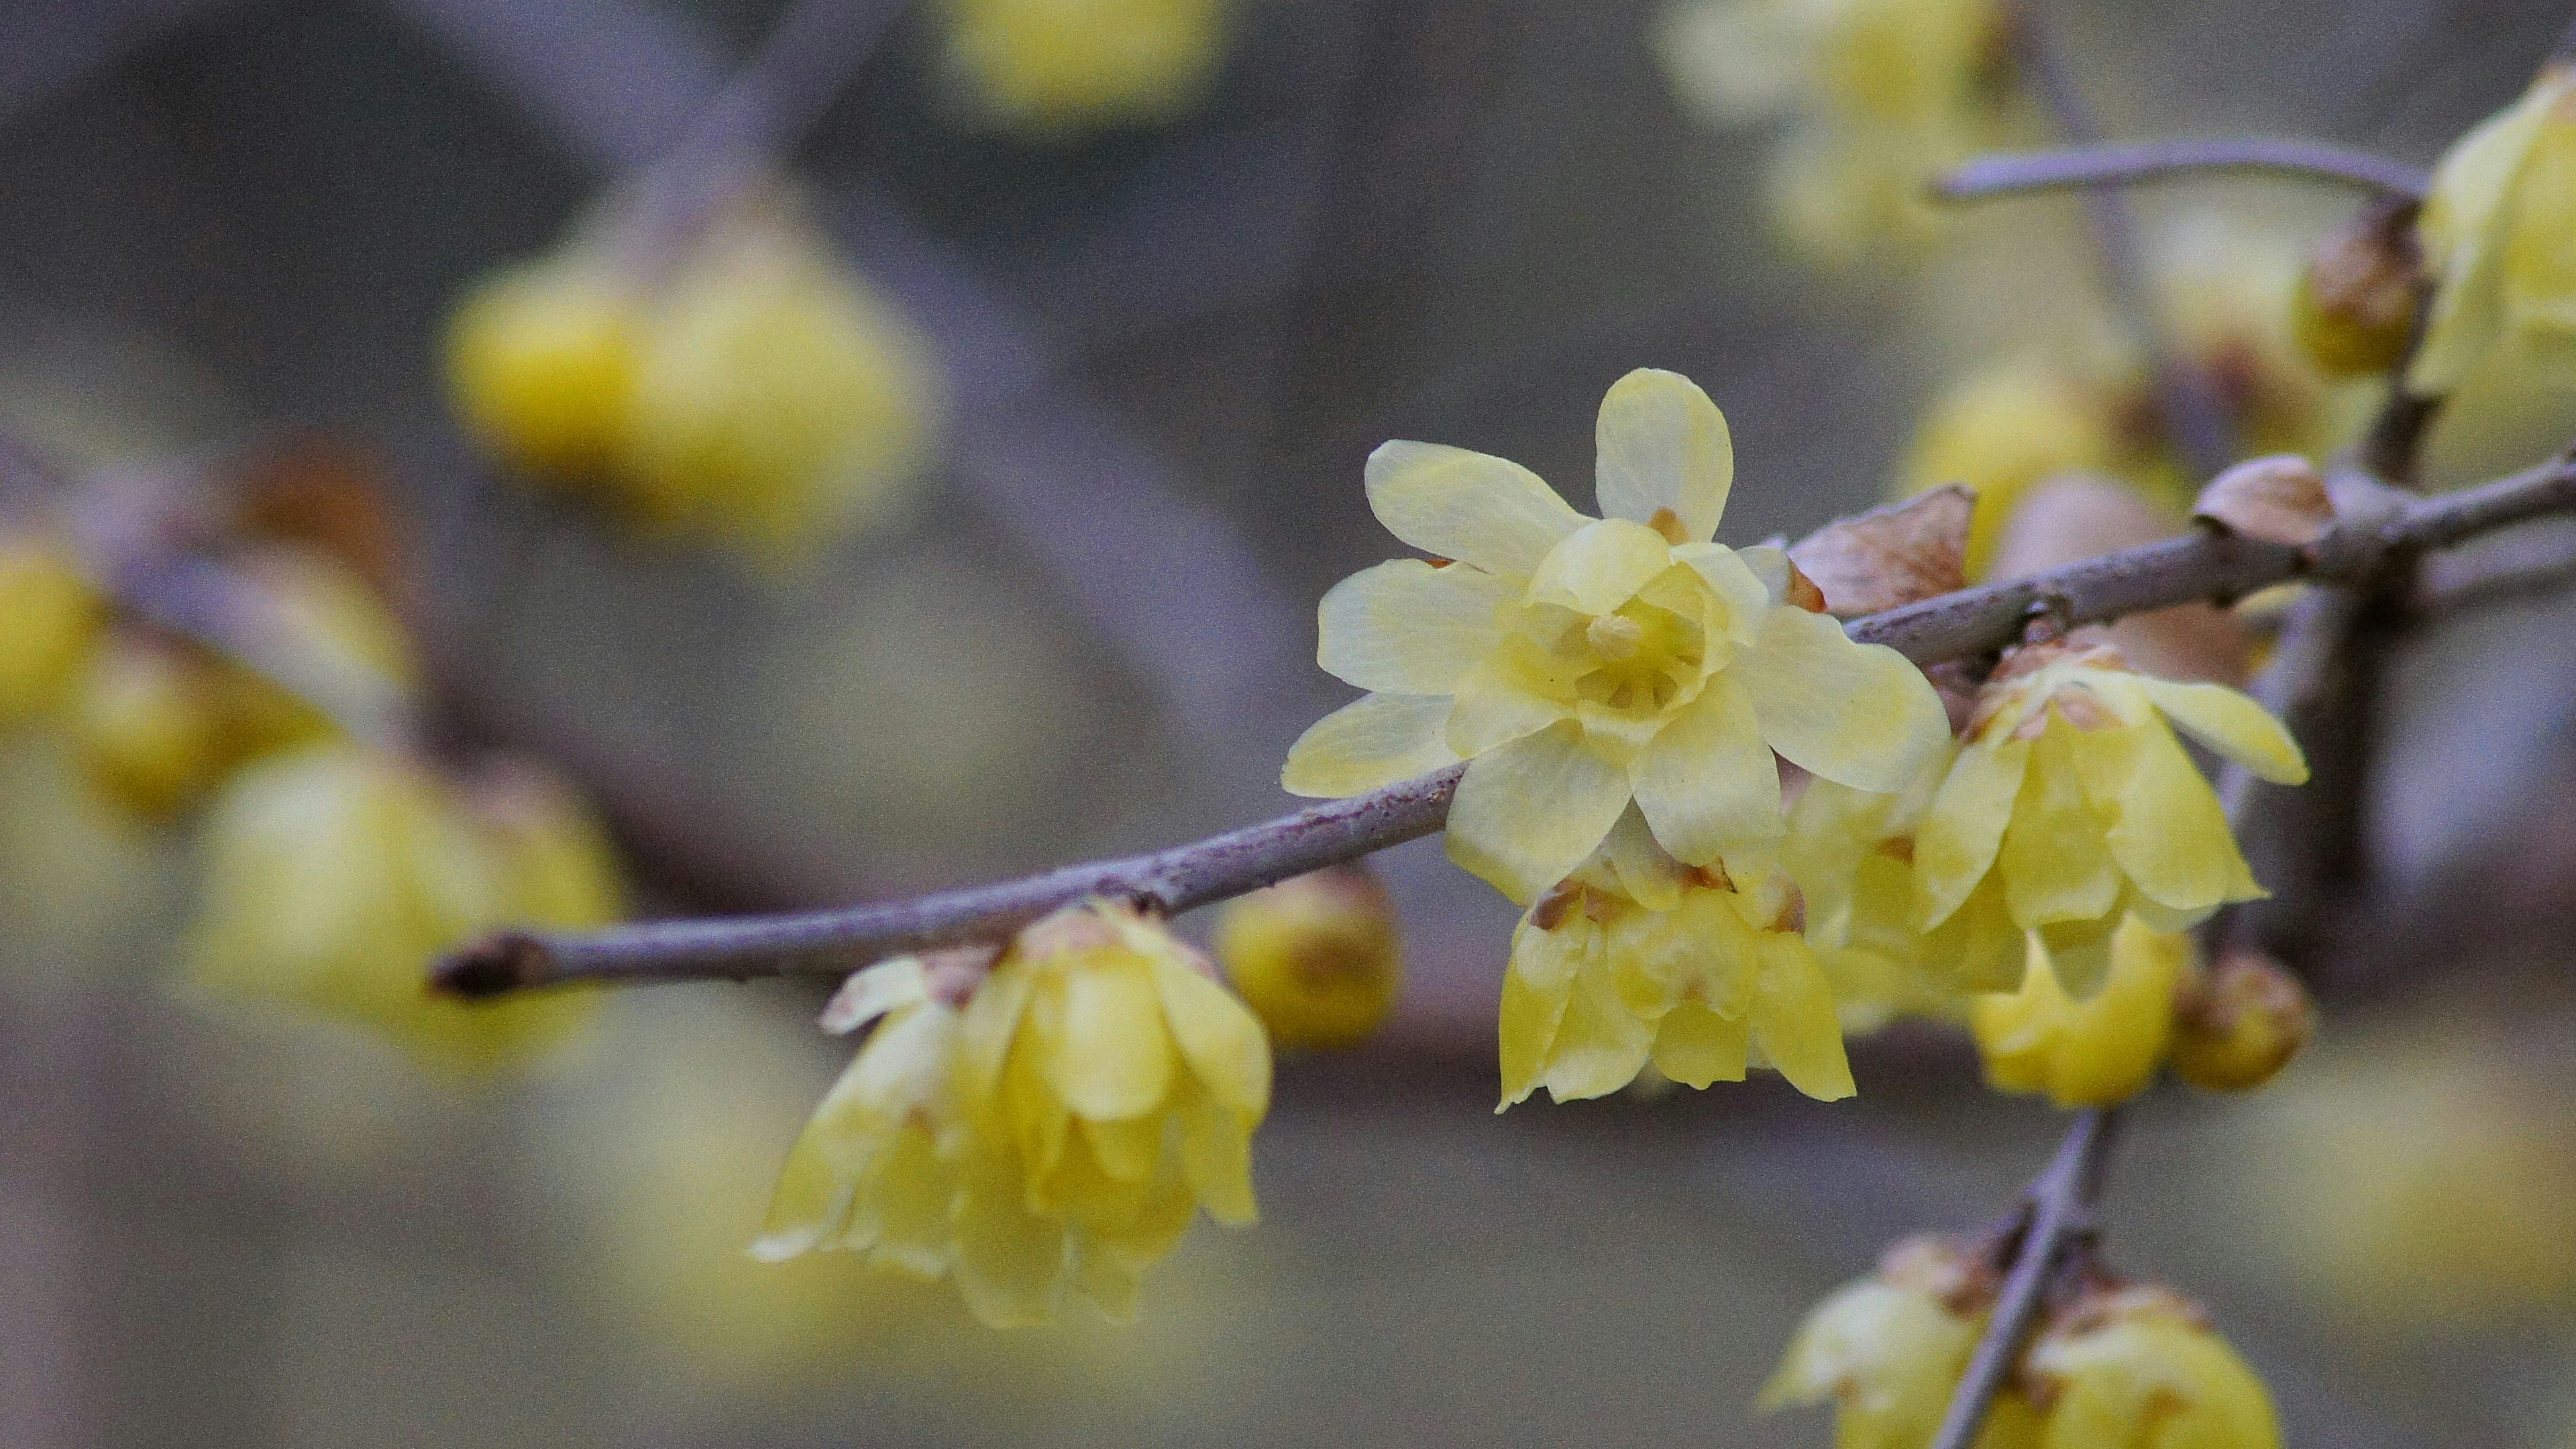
(1983, 177)
(2057, 1212)
(2201, 565)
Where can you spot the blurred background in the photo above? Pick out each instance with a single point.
(1163, 344)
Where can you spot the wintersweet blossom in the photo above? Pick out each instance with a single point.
(1056, 65)
(1638, 958)
(1582, 664)
(2139, 1368)
(1888, 1351)
(2071, 804)
(2087, 1053)
(2495, 229)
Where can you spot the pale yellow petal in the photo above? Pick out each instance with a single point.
(1374, 740)
(812, 1197)
(1126, 1150)
(1600, 567)
(1663, 446)
(1010, 1261)
(2461, 224)
(2167, 830)
(1858, 714)
(2233, 726)
(2056, 859)
(1645, 870)
(1695, 1046)
(1528, 813)
(1216, 1156)
(1794, 1021)
(1221, 1038)
(1407, 628)
(912, 1196)
(1963, 828)
(1471, 507)
(1600, 1045)
(1115, 1058)
(991, 1019)
(1495, 706)
(1707, 783)
(1738, 584)
(1530, 1014)
(873, 992)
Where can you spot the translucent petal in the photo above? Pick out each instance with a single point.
(1794, 1021)
(1111, 1287)
(1964, 827)
(2462, 218)
(1374, 740)
(1471, 507)
(912, 1196)
(1115, 1059)
(1528, 813)
(990, 1020)
(2056, 863)
(1405, 627)
(1645, 871)
(1530, 1014)
(1147, 1225)
(816, 1183)
(1695, 1046)
(1226, 1048)
(873, 992)
(1602, 566)
(1126, 1150)
(2233, 726)
(1009, 1260)
(1858, 714)
(1737, 584)
(1662, 445)
(1216, 1156)
(1495, 706)
(2167, 830)
(1600, 1045)
(1707, 783)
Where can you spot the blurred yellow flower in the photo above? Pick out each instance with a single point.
(2495, 230)
(2236, 1027)
(1054, 65)
(1317, 958)
(334, 875)
(2139, 1368)
(2005, 428)
(2086, 1053)
(2071, 804)
(1888, 1351)
(50, 615)
(1581, 664)
(541, 361)
(1638, 958)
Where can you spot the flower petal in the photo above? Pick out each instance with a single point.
(1528, 813)
(1601, 566)
(1216, 1158)
(1471, 507)
(1794, 1020)
(1494, 706)
(1737, 579)
(1662, 445)
(1964, 826)
(2167, 830)
(1534, 996)
(1374, 740)
(1858, 714)
(1695, 1046)
(1600, 1045)
(1009, 1260)
(1708, 784)
(1222, 1040)
(2232, 725)
(1405, 627)
(1115, 1057)
(2056, 862)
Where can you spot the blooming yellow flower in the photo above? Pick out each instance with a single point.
(2086, 1053)
(1317, 958)
(2071, 804)
(2495, 230)
(1888, 1352)
(1120, 1084)
(2139, 1368)
(1580, 664)
(1051, 65)
(333, 876)
(48, 616)
(1638, 958)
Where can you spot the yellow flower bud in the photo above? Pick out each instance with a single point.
(2494, 230)
(1049, 65)
(48, 617)
(1317, 958)
(541, 363)
(2236, 1029)
(333, 876)
(2356, 300)
(151, 722)
(2139, 1368)
(2086, 1053)
(1888, 1351)
(2001, 431)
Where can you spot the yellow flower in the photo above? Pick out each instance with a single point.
(1120, 1084)
(2071, 803)
(149, 721)
(1317, 958)
(1637, 958)
(2139, 1368)
(2086, 1053)
(1580, 664)
(2004, 429)
(541, 360)
(1888, 1352)
(1046, 65)
(48, 616)
(2495, 230)
(2237, 1028)
(333, 876)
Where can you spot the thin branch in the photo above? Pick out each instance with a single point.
(2059, 1207)
(2201, 565)
(1984, 177)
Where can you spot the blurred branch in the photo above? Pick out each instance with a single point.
(2057, 1214)
(2511, 570)
(2128, 165)
(2201, 565)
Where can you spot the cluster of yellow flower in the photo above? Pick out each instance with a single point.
(1045, 67)
(2117, 1367)
(751, 390)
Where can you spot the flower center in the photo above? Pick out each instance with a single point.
(1638, 659)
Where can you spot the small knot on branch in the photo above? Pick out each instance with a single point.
(500, 963)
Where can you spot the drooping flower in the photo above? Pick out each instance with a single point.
(2087, 1053)
(2139, 1368)
(1317, 957)
(2495, 229)
(1888, 1352)
(1637, 958)
(1046, 66)
(2071, 804)
(1121, 1085)
(1583, 664)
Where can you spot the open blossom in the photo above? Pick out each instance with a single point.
(2495, 229)
(1638, 958)
(2087, 1053)
(1583, 664)
(2139, 1368)
(2072, 804)
(1888, 1352)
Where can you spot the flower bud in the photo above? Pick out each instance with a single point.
(1317, 958)
(1049, 65)
(2088, 1053)
(2235, 1029)
(2280, 499)
(541, 363)
(2355, 305)
(48, 617)
(2139, 1368)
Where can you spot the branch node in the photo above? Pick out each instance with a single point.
(496, 965)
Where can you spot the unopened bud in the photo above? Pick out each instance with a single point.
(2235, 1029)
(2355, 306)
(2280, 499)
(1317, 958)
